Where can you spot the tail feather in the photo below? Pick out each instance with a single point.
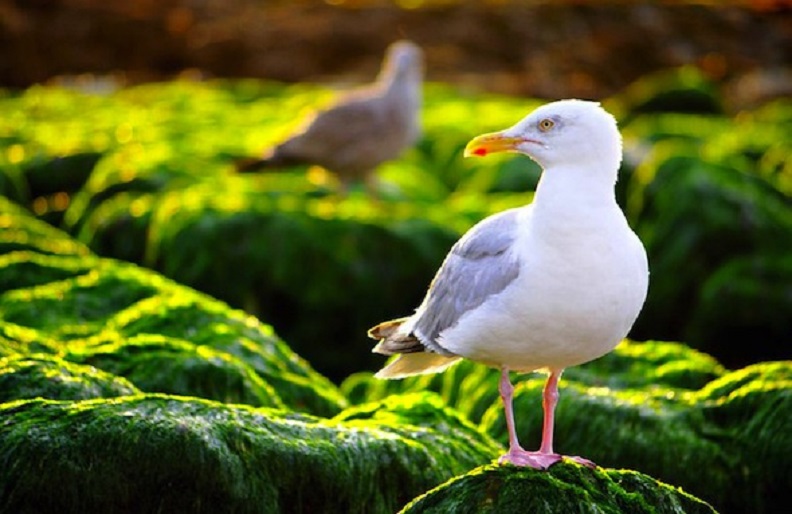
(410, 364)
(414, 357)
(391, 341)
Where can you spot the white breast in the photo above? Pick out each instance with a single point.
(579, 290)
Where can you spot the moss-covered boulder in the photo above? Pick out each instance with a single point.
(168, 365)
(565, 488)
(47, 376)
(21, 231)
(698, 218)
(145, 175)
(658, 407)
(472, 388)
(732, 427)
(157, 453)
(132, 322)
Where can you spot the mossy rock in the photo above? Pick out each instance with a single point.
(731, 427)
(19, 230)
(685, 89)
(746, 303)
(157, 453)
(658, 407)
(695, 217)
(158, 364)
(468, 387)
(47, 376)
(73, 303)
(565, 488)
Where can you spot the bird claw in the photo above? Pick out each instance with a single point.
(534, 460)
(538, 460)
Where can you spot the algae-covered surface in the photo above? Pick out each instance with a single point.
(658, 407)
(47, 376)
(566, 487)
(125, 391)
(145, 174)
(134, 323)
(158, 453)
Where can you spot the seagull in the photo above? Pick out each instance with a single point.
(553, 284)
(363, 129)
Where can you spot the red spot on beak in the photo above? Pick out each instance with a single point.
(480, 151)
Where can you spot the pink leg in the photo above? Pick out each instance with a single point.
(545, 457)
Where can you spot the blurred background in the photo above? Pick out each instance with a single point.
(120, 120)
(548, 49)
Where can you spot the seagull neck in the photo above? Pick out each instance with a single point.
(583, 189)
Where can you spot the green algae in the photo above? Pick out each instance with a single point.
(472, 388)
(47, 376)
(20, 231)
(565, 488)
(733, 427)
(157, 453)
(166, 365)
(70, 305)
(658, 407)
(23, 269)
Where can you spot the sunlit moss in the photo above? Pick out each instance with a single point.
(46, 376)
(116, 454)
(564, 488)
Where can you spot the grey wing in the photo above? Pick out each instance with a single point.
(479, 265)
(334, 129)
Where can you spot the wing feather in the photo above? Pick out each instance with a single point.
(481, 264)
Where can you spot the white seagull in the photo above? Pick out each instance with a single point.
(549, 285)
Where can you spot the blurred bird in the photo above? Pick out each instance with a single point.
(549, 285)
(362, 129)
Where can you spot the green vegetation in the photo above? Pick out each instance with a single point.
(134, 323)
(145, 174)
(657, 407)
(494, 489)
(163, 453)
(119, 380)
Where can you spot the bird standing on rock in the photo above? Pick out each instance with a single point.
(553, 284)
(364, 128)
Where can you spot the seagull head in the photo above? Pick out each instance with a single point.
(567, 133)
(403, 60)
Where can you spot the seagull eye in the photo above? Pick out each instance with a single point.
(546, 124)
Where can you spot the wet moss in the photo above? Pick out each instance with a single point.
(731, 427)
(77, 306)
(193, 317)
(157, 453)
(565, 488)
(70, 304)
(47, 376)
(21, 231)
(165, 365)
(23, 269)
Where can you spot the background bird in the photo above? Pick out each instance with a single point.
(553, 284)
(364, 128)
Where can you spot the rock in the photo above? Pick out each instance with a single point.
(158, 453)
(47, 376)
(658, 407)
(119, 316)
(167, 365)
(731, 427)
(565, 488)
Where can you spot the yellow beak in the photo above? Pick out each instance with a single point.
(492, 143)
